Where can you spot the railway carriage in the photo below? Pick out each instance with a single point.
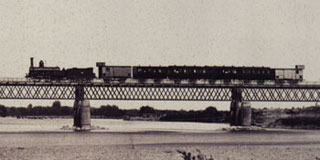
(257, 73)
(185, 72)
(149, 72)
(208, 73)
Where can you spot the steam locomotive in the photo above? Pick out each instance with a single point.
(55, 73)
(193, 73)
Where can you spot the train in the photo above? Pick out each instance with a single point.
(43, 72)
(175, 73)
(194, 73)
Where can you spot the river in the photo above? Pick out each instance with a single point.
(110, 125)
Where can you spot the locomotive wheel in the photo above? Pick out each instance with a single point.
(122, 80)
(227, 81)
(211, 81)
(157, 81)
(192, 81)
(176, 80)
(142, 80)
(246, 81)
(107, 80)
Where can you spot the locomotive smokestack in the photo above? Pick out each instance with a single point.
(31, 62)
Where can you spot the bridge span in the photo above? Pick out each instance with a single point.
(235, 91)
(219, 91)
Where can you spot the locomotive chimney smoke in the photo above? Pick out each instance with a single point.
(31, 62)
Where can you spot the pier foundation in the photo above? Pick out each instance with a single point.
(82, 116)
(245, 114)
(240, 112)
(235, 113)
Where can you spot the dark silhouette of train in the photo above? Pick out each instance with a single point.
(175, 73)
(193, 73)
(55, 73)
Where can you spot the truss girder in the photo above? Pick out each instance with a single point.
(36, 92)
(159, 93)
(281, 94)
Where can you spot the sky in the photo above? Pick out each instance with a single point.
(79, 33)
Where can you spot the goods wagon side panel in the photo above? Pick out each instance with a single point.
(285, 74)
(279, 74)
(289, 74)
(121, 72)
(116, 72)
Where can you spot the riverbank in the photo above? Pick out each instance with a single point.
(161, 152)
(160, 145)
(145, 140)
(294, 118)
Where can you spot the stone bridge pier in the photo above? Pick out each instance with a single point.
(81, 114)
(240, 112)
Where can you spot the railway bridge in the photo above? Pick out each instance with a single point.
(237, 92)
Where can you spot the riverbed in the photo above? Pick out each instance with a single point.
(45, 139)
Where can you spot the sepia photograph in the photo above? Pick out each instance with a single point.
(159, 80)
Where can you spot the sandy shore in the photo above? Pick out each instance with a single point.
(161, 152)
(282, 145)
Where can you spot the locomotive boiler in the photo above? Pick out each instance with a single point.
(43, 72)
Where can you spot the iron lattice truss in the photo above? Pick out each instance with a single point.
(36, 92)
(196, 93)
(159, 93)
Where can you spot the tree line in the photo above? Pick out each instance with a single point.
(210, 114)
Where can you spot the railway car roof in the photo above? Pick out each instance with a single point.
(118, 66)
(45, 68)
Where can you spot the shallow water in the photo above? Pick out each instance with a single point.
(111, 125)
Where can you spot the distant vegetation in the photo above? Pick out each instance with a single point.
(300, 118)
(55, 110)
(210, 114)
(306, 117)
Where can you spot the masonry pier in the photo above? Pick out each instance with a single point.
(240, 112)
(82, 116)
